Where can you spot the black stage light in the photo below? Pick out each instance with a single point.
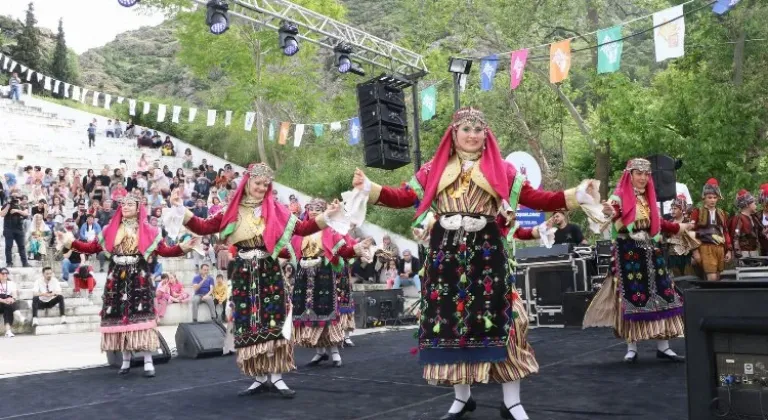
(288, 33)
(216, 18)
(128, 3)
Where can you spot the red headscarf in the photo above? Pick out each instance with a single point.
(494, 168)
(625, 191)
(149, 236)
(276, 217)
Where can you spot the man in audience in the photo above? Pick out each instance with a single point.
(203, 287)
(90, 230)
(9, 295)
(200, 209)
(14, 214)
(46, 294)
(566, 233)
(408, 269)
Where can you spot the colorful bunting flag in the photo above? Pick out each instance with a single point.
(56, 85)
(161, 113)
(354, 131)
(284, 127)
(488, 67)
(559, 61)
(336, 126)
(271, 135)
(107, 100)
(176, 113)
(609, 52)
(147, 105)
(120, 99)
(250, 117)
(75, 93)
(669, 33)
(298, 133)
(96, 99)
(83, 95)
(227, 118)
(30, 72)
(428, 103)
(131, 107)
(516, 66)
(47, 85)
(66, 90)
(192, 114)
(319, 130)
(723, 6)
(211, 117)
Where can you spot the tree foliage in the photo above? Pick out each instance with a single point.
(60, 65)
(27, 49)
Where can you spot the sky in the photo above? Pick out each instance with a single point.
(87, 23)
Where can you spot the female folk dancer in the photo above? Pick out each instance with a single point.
(259, 227)
(473, 324)
(638, 298)
(318, 296)
(128, 319)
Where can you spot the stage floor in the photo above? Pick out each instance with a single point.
(582, 377)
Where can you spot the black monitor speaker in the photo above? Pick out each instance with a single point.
(664, 173)
(200, 339)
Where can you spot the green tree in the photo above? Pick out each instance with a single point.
(60, 67)
(27, 49)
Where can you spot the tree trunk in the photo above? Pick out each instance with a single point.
(533, 143)
(602, 147)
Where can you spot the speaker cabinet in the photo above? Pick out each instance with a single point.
(664, 174)
(384, 123)
(160, 356)
(575, 305)
(370, 93)
(375, 308)
(202, 339)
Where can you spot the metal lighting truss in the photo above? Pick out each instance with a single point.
(326, 32)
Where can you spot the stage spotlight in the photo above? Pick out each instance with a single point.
(459, 65)
(216, 18)
(288, 33)
(128, 3)
(342, 50)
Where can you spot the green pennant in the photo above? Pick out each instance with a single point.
(271, 130)
(319, 130)
(428, 103)
(609, 52)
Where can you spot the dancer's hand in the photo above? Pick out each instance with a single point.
(333, 207)
(189, 244)
(608, 208)
(176, 198)
(728, 256)
(359, 179)
(697, 256)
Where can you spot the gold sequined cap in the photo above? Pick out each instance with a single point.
(317, 204)
(468, 115)
(261, 170)
(638, 164)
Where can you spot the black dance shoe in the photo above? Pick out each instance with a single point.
(506, 412)
(315, 362)
(469, 405)
(674, 358)
(149, 373)
(124, 371)
(285, 393)
(263, 387)
(631, 360)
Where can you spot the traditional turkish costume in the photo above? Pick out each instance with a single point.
(711, 227)
(680, 245)
(128, 319)
(319, 299)
(638, 298)
(473, 325)
(262, 300)
(745, 228)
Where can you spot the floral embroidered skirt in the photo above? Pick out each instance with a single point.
(316, 305)
(638, 298)
(261, 302)
(128, 320)
(473, 325)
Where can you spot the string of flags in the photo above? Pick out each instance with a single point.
(281, 135)
(668, 34)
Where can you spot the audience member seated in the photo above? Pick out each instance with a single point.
(408, 267)
(177, 289)
(9, 295)
(203, 286)
(167, 147)
(157, 141)
(83, 279)
(46, 293)
(220, 296)
(39, 234)
(389, 274)
(165, 295)
(145, 139)
(390, 247)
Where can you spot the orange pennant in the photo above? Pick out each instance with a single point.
(559, 61)
(284, 127)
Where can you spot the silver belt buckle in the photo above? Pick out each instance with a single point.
(451, 222)
(254, 253)
(310, 262)
(473, 224)
(125, 259)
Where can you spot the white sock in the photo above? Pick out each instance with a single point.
(462, 394)
(318, 354)
(126, 360)
(631, 347)
(335, 356)
(663, 346)
(512, 398)
(148, 364)
(277, 380)
(258, 381)
(346, 335)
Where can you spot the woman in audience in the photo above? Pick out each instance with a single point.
(87, 183)
(215, 206)
(163, 296)
(177, 289)
(118, 192)
(167, 148)
(143, 164)
(57, 210)
(38, 236)
(188, 163)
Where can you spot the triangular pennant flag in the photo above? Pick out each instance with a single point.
(132, 107)
(147, 106)
(250, 117)
(723, 6)
(120, 99)
(47, 85)
(192, 114)
(13, 66)
(161, 113)
(336, 126)
(75, 93)
(609, 52)
(211, 117)
(516, 66)
(284, 127)
(30, 72)
(95, 98)
(107, 101)
(56, 84)
(319, 130)
(5, 62)
(488, 67)
(23, 68)
(669, 33)
(227, 118)
(559, 61)
(82, 96)
(176, 114)
(298, 133)
(428, 103)
(39, 77)
(354, 131)
(271, 130)
(66, 90)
